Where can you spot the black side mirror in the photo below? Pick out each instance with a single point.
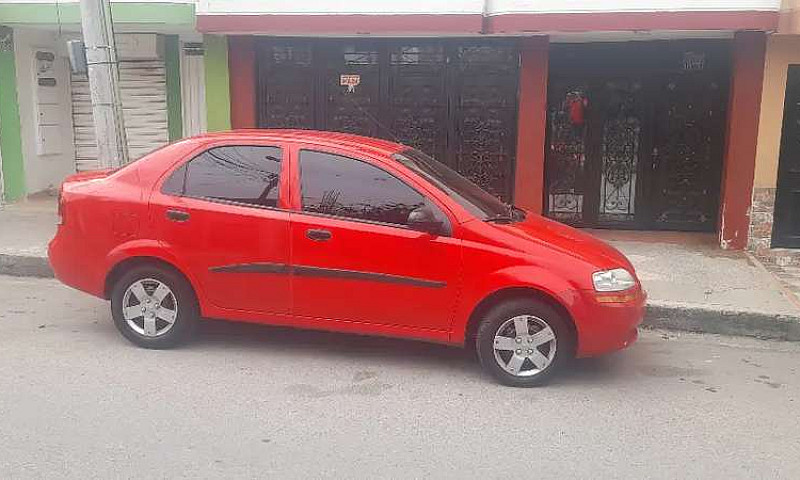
(422, 219)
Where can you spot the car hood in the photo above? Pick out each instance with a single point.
(567, 240)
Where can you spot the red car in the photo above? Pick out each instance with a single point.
(339, 232)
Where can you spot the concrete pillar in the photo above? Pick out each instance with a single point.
(13, 168)
(218, 96)
(242, 61)
(741, 138)
(531, 124)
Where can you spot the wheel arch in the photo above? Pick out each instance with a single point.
(119, 269)
(509, 293)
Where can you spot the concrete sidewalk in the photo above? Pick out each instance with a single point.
(25, 229)
(691, 283)
(694, 285)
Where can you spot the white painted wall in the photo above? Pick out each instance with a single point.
(489, 7)
(43, 171)
(501, 7)
(333, 7)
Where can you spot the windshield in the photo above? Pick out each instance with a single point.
(470, 196)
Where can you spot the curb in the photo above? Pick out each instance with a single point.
(723, 322)
(25, 266)
(663, 316)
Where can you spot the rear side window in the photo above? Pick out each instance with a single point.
(345, 187)
(241, 174)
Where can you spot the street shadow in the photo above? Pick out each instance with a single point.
(222, 335)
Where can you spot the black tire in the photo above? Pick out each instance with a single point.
(185, 320)
(499, 315)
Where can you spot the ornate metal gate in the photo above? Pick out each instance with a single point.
(453, 100)
(634, 140)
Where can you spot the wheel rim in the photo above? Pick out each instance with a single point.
(524, 346)
(149, 307)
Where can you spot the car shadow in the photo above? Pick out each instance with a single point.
(215, 334)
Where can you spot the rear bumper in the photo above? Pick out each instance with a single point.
(607, 327)
(72, 265)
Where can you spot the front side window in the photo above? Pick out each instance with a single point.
(345, 187)
(241, 174)
(470, 196)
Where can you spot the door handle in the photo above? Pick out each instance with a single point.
(318, 235)
(177, 215)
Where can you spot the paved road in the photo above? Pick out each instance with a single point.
(77, 401)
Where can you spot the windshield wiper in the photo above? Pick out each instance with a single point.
(499, 218)
(512, 214)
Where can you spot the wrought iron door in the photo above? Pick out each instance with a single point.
(485, 114)
(635, 134)
(352, 109)
(417, 113)
(566, 176)
(287, 85)
(454, 100)
(786, 226)
(687, 153)
(596, 132)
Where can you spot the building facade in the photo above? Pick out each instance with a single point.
(655, 115)
(46, 125)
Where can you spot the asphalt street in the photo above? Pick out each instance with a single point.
(243, 401)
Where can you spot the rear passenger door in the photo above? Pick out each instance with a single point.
(221, 213)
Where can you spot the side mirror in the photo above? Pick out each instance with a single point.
(422, 219)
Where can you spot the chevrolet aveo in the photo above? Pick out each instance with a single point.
(339, 232)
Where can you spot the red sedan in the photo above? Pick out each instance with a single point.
(339, 232)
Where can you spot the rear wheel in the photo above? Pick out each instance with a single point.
(154, 307)
(523, 342)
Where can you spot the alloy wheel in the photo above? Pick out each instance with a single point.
(524, 345)
(149, 307)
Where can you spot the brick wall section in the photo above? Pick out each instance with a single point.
(761, 215)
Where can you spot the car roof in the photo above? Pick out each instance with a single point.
(316, 137)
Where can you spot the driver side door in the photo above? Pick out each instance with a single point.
(355, 259)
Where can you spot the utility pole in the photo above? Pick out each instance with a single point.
(101, 60)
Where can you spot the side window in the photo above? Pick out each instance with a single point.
(242, 174)
(345, 187)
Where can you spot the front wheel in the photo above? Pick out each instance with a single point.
(154, 307)
(523, 342)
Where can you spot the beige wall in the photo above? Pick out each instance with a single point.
(782, 50)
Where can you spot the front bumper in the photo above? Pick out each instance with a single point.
(607, 327)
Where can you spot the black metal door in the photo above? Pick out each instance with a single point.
(597, 136)
(635, 134)
(786, 223)
(687, 153)
(287, 83)
(351, 109)
(454, 100)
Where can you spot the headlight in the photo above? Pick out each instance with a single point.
(613, 280)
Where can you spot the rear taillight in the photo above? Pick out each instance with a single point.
(61, 206)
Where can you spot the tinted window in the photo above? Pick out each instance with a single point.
(467, 194)
(342, 186)
(243, 174)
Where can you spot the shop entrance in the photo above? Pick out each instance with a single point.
(635, 134)
(453, 99)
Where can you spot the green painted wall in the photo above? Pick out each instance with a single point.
(10, 134)
(218, 93)
(172, 59)
(164, 13)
